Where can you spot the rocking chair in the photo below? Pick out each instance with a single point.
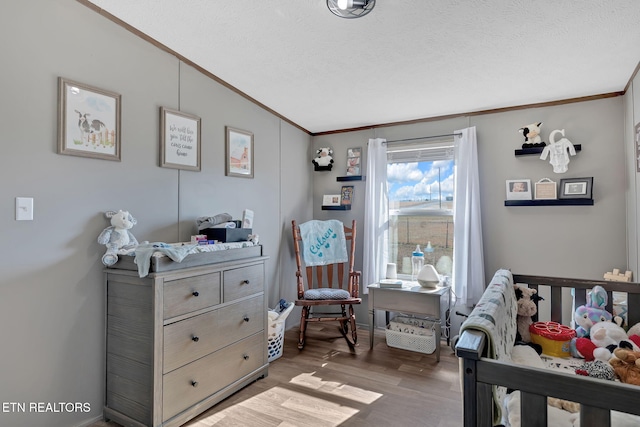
(330, 289)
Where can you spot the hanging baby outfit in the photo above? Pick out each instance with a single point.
(558, 151)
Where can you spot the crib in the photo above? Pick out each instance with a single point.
(480, 374)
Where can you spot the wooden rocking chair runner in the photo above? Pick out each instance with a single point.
(332, 288)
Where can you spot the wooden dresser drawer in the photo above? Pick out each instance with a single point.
(190, 339)
(243, 281)
(202, 378)
(190, 294)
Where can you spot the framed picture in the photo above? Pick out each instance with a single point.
(576, 188)
(88, 121)
(179, 140)
(545, 189)
(346, 195)
(239, 153)
(518, 189)
(331, 200)
(353, 161)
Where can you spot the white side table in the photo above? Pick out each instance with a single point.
(411, 298)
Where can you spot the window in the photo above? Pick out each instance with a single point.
(420, 183)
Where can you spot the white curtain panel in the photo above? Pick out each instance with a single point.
(376, 217)
(468, 259)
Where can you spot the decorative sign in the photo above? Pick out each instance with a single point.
(179, 140)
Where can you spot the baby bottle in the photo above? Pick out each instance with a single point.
(429, 254)
(417, 261)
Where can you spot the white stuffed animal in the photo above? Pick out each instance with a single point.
(323, 160)
(117, 236)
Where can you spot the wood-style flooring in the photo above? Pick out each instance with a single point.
(327, 385)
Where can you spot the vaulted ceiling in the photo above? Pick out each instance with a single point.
(406, 60)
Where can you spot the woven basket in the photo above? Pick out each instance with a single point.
(414, 334)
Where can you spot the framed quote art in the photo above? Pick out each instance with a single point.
(88, 121)
(179, 140)
(239, 153)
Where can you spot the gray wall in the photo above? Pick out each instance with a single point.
(51, 289)
(570, 241)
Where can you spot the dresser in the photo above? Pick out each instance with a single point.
(179, 341)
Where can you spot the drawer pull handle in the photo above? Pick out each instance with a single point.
(245, 282)
(195, 338)
(245, 356)
(194, 383)
(245, 318)
(195, 293)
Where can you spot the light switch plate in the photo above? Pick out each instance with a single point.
(24, 208)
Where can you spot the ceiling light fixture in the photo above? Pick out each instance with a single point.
(350, 8)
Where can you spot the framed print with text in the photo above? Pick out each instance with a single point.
(179, 140)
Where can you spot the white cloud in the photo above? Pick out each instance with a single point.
(403, 172)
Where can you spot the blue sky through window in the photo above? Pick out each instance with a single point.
(417, 181)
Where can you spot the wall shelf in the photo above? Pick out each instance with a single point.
(538, 150)
(558, 202)
(350, 178)
(337, 208)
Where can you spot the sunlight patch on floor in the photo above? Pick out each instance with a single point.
(335, 388)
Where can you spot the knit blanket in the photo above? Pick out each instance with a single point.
(495, 316)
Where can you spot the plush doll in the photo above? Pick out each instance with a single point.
(597, 369)
(532, 135)
(527, 299)
(117, 236)
(592, 312)
(323, 160)
(626, 365)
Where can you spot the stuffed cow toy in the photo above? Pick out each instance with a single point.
(323, 160)
(117, 236)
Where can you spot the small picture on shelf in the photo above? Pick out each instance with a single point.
(331, 200)
(576, 188)
(518, 189)
(346, 195)
(353, 161)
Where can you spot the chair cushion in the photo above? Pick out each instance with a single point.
(326, 293)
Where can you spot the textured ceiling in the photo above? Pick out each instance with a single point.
(406, 60)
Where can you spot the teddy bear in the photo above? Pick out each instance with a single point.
(526, 299)
(323, 160)
(626, 365)
(117, 236)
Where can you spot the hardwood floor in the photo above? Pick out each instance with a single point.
(327, 384)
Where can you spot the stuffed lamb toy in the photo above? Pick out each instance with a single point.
(117, 236)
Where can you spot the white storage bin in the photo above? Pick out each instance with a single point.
(410, 333)
(275, 339)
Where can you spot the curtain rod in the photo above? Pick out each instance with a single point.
(423, 137)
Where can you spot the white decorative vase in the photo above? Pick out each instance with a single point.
(428, 277)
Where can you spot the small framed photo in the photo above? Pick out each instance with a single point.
(576, 188)
(346, 195)
(545, 189)
(518, 189)
(331, 200)
(239, 153)
(179, 140)
(88, 121)
(353, 161)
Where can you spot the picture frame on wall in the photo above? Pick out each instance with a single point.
(331, 200)
(576, 188)
(346, 195)
(518, 189)
(353, 161)
(239, 153)
(179, 140)
(88, 121)
(545, 189)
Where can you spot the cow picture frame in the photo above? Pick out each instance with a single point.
(88, 121)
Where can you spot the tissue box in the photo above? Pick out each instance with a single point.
(225, 235)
